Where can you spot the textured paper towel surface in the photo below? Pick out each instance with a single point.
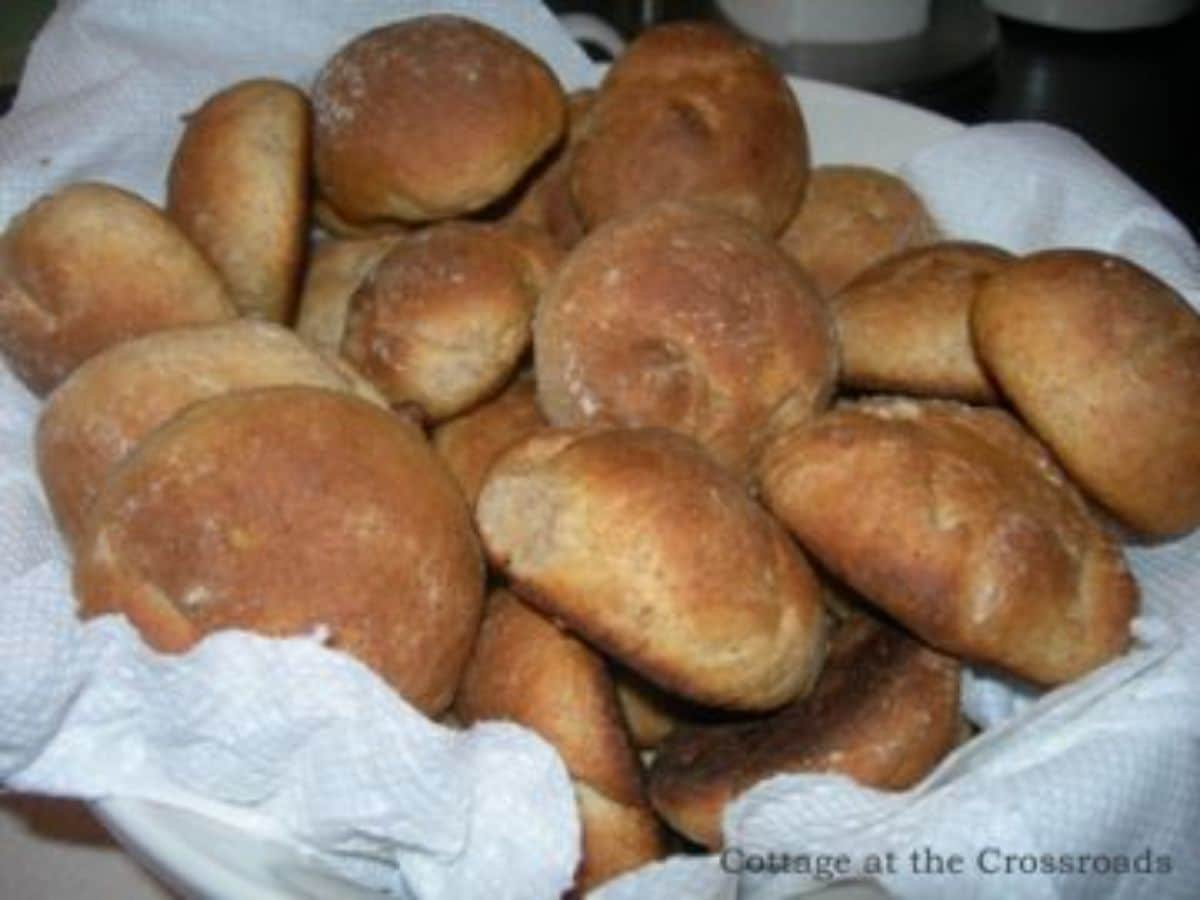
(1110, 765)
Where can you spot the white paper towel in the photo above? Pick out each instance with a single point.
(1109, 766)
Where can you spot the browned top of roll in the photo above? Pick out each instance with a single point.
(430, 118)
(958, 523)
(904, 324)
(647, 548)
(884, 712)
(238, 187)
(284, 509)
(691, 112)
(99, 414)
(472, 442)
(851, 218)
(443, 318)
(88, 267)
(686, 319)
(1102, 359)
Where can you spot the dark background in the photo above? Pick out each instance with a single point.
(1129, 93)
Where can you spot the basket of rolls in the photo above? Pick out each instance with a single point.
(435, 466)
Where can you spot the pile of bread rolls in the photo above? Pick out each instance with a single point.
(746, 456)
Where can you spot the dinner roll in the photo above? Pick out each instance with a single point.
(546, 201)
(238, 187)
(957, 523)
(526, 670)
(687, 319)
(851, 218)
(904, 324)
(444, 317)
(94, 418)
(88, 267)
(691, 112)
(430, 118)
(283, 510)
(1103, 361)
(884, 712)
(644, 546)
(335, 271)
(470, 443)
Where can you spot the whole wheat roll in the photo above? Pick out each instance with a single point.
(105, 407)
(443, 319)
(853, 217)
(644, 546)
(335, 271)
(430, 118)
(904, 325)
(956, 522)
(691, 112)
(1102, 359)
(238, 187)
(472, 442)
(686, 319)
(884, 712)
(286, 509)
(526, 670)
(90, 266)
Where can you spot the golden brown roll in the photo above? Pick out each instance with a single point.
(546, 200)
(88, 267)
(335, 271)
(644, 546)
(884, 712)
(692, 113)
(904, 324)
(685, 319)
(107, 405)
(470, 443)
(238, 187)
(286, 509)
(851, 218)
(445, 315)
(956, 522)
(430, 118)
(1103, 361)
(526, 670)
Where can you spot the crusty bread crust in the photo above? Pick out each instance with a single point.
(957, 522)
(283, 510)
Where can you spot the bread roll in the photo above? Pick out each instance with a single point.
(336, 270)
(686, 319)
(238, 187)
(546, 201)
(430, 118)
(282, 510)
(852, 218)
(884, 712)
(644, 546)
(444, 317)
(470, 443)
(107, 405)
(692, 113)
(1103, 361)
(526, 670)
(89, 267)
(957, 523)
(904, 324)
